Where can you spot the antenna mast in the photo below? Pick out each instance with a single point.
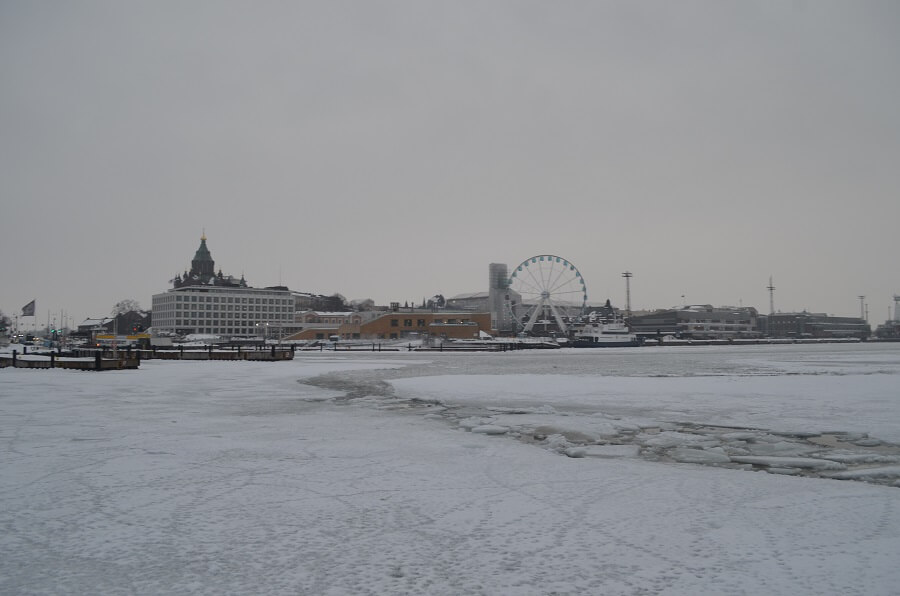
(771, 289)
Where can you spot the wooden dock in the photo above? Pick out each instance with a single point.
(105, 359)
(41, 361)
(265, 355)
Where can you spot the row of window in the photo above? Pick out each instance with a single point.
(407, 322)
(726, 321)
(226, 308)
(422, 323)
(229, 321)
(229, 330)
(233, 299)
(331, 321)
(164, 318)
(176, 298)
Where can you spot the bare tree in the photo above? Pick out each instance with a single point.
(125, 306)
(362, 304)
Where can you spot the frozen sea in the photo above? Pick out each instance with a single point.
(678, 470)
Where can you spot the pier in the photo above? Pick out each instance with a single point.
(52, 360)
(129, 358)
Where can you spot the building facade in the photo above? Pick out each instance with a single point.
(247, 312)
(399, 324)
(203, 302)
(813, 325)
(698, 322)
(500, 300)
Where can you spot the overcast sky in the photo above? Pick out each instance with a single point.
(392, 150)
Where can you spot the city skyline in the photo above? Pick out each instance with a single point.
(392, 150)
(62, 318)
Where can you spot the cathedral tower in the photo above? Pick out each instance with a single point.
(203, 265)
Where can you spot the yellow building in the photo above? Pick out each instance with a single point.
(404, 323)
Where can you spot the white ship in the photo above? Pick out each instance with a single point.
(605, 335)
(607, 330)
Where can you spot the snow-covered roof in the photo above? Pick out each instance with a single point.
(469, 296)
(95, 322)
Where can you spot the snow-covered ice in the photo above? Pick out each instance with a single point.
(448, 474)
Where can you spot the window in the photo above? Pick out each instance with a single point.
(420, 322)
(407, 322)
(395, 323)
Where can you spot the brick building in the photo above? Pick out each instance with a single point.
(396, 324)
(813, 325)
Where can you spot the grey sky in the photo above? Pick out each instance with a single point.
(393, 149)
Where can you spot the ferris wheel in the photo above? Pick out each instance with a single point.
(552, 289)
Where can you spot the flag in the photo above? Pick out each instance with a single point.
(28, 309)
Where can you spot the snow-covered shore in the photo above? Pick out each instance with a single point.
(227, 478)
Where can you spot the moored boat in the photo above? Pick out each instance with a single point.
(605, 335)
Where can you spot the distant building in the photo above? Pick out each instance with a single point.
(472, 302)
(89, 326)
(211, 303)
(396, 324)
(813, 325)
(311, 325)
(698, 322)
(890, 329)
(500, 300)
(122, 324)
